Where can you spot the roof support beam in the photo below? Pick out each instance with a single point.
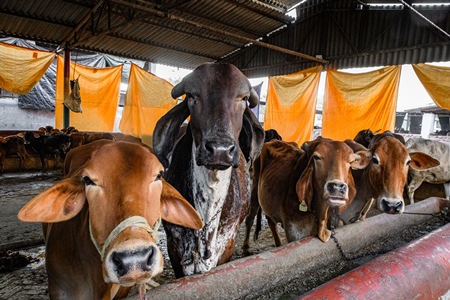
(219, 31)
(80, 24)
(423, 17)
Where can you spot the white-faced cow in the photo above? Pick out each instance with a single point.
(437, 175)
(384, 179)
(207, 165)
(101, 221)
(301, 188)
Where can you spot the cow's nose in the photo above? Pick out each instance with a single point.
(220, 150)
(391, 207)
(339, 187)
(218, 155)
(126, 261)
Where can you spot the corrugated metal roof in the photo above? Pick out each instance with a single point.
(349, 35)
(255, 35)
(173, 32)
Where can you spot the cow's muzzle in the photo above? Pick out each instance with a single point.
(391, 205)
(337, 192)
(218, 154)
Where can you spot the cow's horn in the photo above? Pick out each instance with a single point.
(254, 99)
(178, 90)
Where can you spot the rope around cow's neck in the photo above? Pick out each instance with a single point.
(131, 221)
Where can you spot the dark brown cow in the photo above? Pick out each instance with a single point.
(383, 181)
(89, 137)
(100, 222)
(301, 188)
(12, 145)
(368, 138)
(207, 165)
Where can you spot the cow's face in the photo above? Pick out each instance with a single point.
(216, 101)
(126, 197)
(216, 96)
(387, 174)
(132, 257)
(327, 181)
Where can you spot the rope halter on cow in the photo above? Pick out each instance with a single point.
(131, 221)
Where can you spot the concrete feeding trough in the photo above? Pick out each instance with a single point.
(251, 276)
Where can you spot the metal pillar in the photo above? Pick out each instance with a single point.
(66, 116)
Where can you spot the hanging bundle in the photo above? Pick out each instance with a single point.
(73, 101)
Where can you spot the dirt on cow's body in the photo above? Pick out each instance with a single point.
(23, 242)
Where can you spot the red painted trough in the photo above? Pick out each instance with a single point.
(252, 276)
(418, 270)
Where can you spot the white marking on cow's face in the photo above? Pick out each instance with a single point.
(209, 191)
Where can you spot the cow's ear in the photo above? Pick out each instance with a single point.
(166, 131)
(421, 161)
(175, 209)
(362, 160)
(304, 188)
(257, 134)
(58, 203)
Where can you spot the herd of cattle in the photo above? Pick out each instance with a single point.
(201, 182)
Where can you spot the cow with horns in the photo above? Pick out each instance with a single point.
(207, 165)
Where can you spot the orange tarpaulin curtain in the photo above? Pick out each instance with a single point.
(354, 102)
(148, 99)
(291, 104)
(436, 81)
(22, 68)
(99, 90)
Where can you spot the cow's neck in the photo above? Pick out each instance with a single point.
(209, 190)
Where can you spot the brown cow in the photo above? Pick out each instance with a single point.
(12, 145)
(207, 165)
(301, 188)
(368, 138)
(383, 181)
(100, 222)
(89, 137)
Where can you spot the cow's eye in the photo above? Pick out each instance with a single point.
(375, 160)
(192, 100)
(88, 181)
(159, 176)
(408, 162)
(316, 157)
(245, 98)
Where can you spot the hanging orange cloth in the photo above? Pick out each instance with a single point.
(99, 91)
(291, 104)
(436, 81)
(354, 102)
(22, 68)
(148, 99)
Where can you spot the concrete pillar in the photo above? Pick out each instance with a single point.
(427, 125)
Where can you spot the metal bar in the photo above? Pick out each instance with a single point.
(80, 24)
(66, 117)
(220, 31)
(423, 17)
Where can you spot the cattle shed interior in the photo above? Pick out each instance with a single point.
(260, 37)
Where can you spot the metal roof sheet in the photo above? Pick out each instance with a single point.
(255, 35)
